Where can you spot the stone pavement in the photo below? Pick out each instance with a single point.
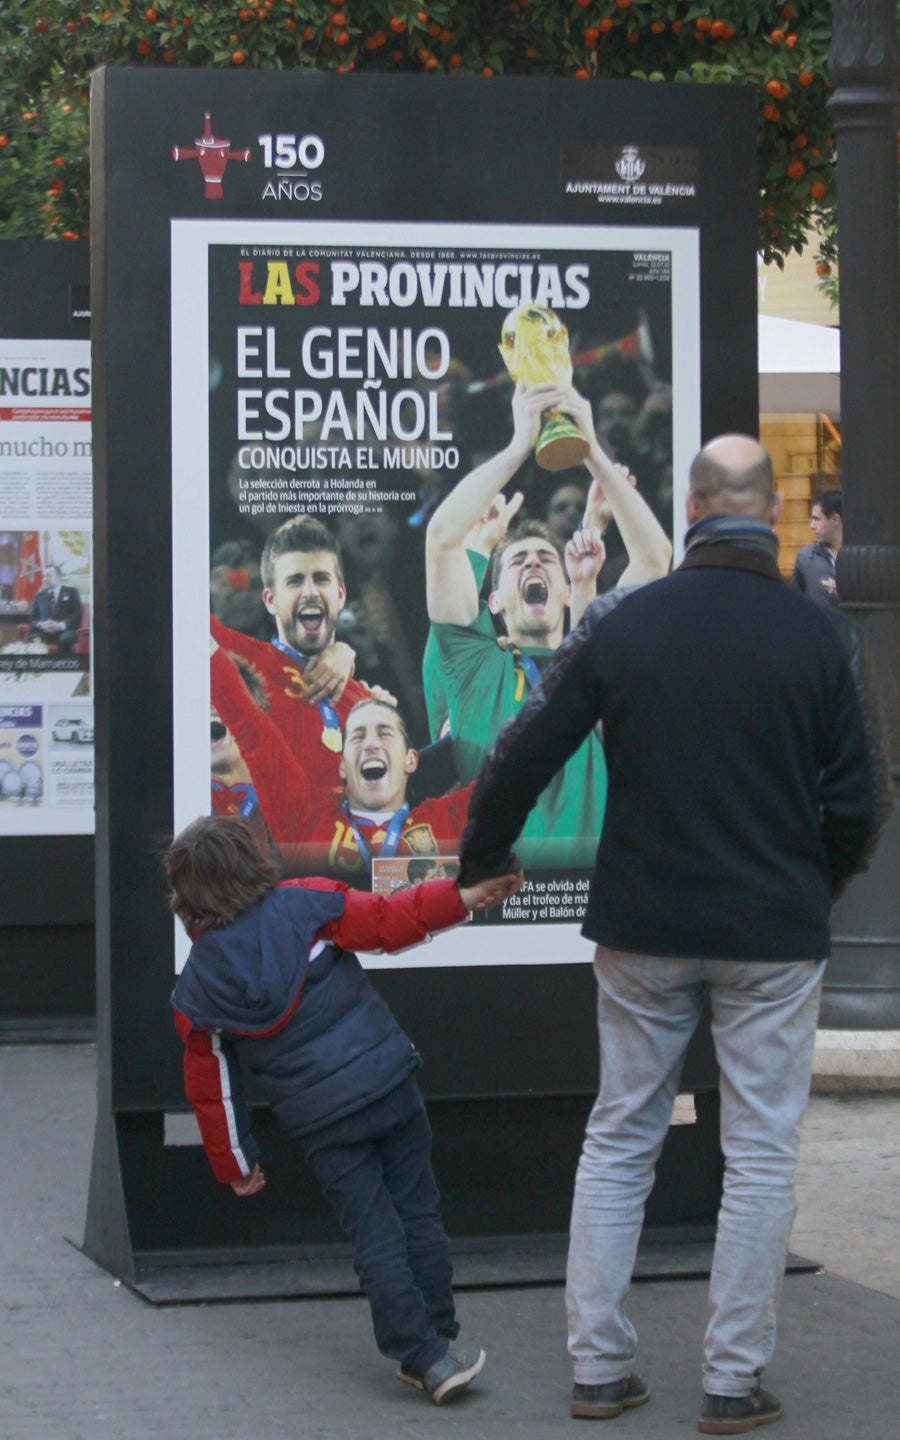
(83, 1358)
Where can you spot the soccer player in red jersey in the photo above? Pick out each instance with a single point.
(340, 831)
(308, 676)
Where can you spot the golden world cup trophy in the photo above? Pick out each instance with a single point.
(535, 348)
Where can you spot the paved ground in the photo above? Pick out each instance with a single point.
(82, 1358)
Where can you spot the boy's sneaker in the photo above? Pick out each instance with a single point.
(733, 1414)
(448, 1376)
(416, 1381)
(605, 1402)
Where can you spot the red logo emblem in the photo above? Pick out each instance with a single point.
(213, 154)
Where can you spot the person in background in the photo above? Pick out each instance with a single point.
(236, 589)
(565, 510)
(814, 567)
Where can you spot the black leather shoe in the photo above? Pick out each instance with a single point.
(733, 1414)
(605, 1402)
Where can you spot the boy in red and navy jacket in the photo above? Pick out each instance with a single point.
(272, 983)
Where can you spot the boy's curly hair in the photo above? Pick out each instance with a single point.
(216, 869)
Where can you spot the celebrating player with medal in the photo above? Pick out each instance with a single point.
(307, 675)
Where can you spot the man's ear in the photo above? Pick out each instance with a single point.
(268, 599)
(411, 761)
(777, 507)
(494, 603)
(342, 596)
(691, 509)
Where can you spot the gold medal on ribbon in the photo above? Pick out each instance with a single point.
(331, 739)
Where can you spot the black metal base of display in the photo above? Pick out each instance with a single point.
(494, 1262)
(505, 1168)
(48, 1030)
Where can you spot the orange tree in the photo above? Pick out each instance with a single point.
(49, 47)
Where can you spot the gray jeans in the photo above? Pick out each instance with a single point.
(763, 1025)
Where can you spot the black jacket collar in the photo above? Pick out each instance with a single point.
(731, 557)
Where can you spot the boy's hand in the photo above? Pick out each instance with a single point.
(249, 1184)
(490, 892)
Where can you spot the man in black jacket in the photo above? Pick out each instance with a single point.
(745, 788)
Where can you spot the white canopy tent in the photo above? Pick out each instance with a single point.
(799, 367)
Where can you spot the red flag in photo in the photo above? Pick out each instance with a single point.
(30, 570)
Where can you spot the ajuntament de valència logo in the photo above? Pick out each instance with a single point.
(630, 166)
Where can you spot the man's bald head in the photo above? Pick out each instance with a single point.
(732, 475)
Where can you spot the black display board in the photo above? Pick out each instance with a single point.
(47, 960)
(345, 170)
